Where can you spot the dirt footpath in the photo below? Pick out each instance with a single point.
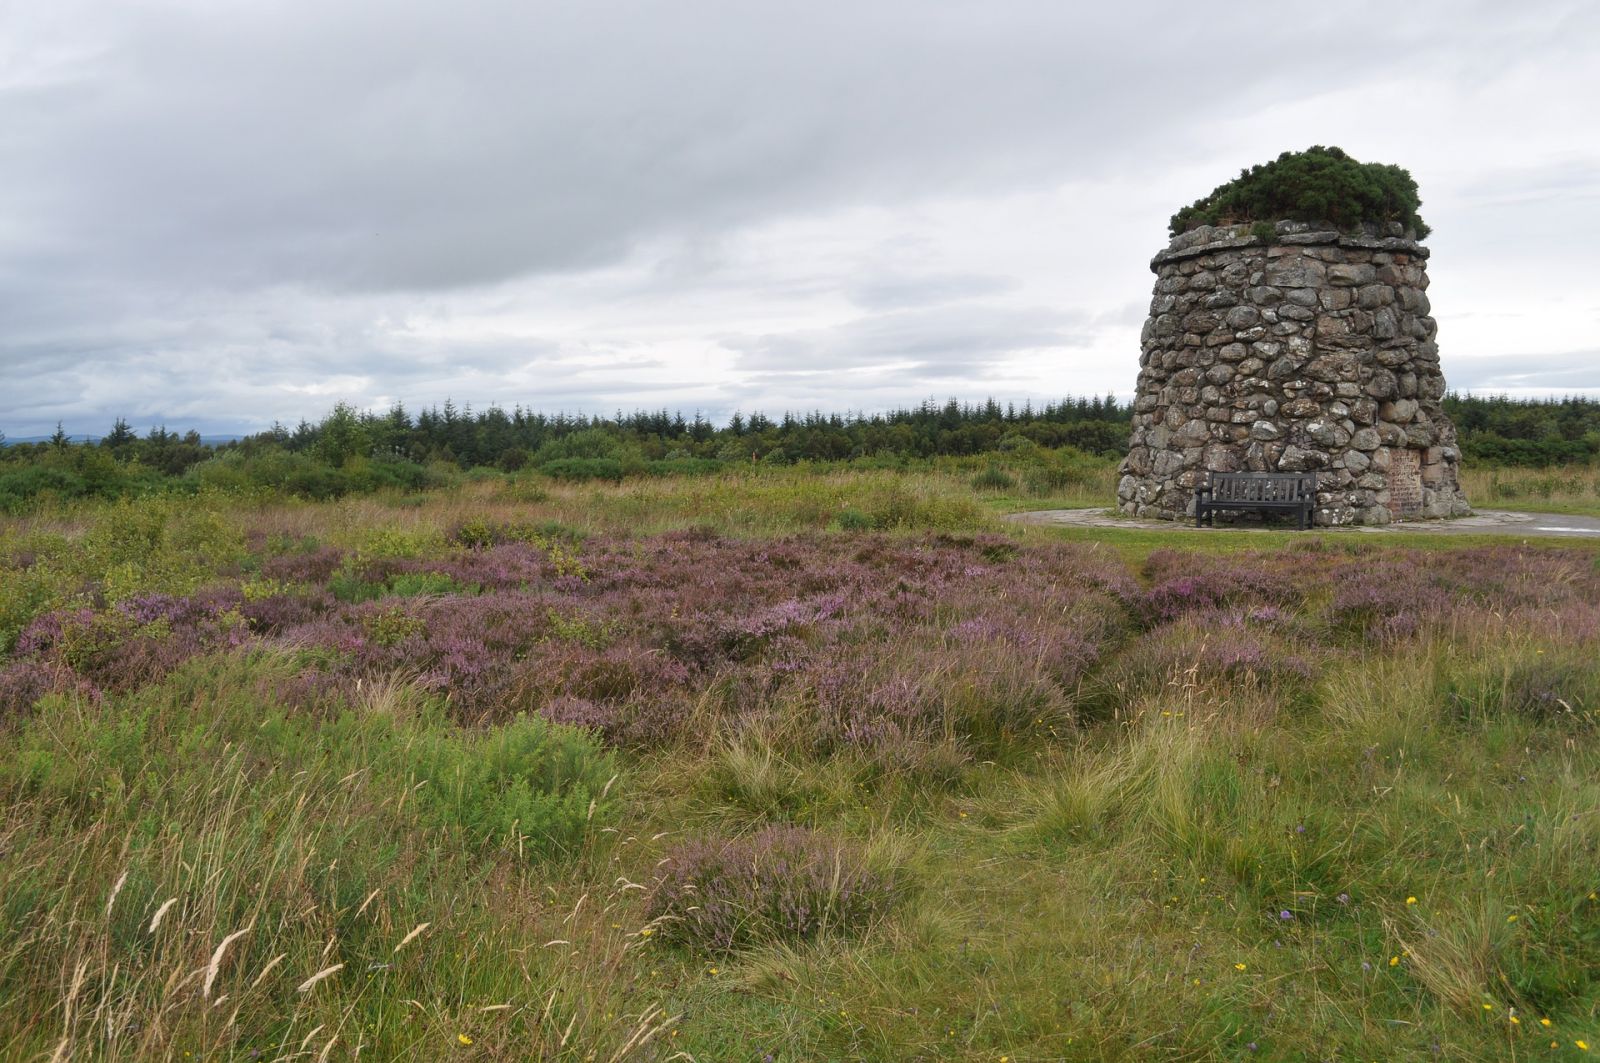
(1482, 522)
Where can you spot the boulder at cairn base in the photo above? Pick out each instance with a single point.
(1294, 345)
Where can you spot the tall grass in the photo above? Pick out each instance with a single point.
(685, 771)
(1562, 489)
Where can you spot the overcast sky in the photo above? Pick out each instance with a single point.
(217, 213)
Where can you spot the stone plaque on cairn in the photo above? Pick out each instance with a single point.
(1311, 350)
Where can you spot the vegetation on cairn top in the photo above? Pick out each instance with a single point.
(1316, 185)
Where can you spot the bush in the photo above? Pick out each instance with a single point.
(531, 785)
(994, 478)
(20, 488)
(785, 884)
(583, 469)
(852, 519)
(684, 467)
(1316, 185)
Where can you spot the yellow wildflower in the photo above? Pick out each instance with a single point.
(1411, 900)
(1583, 1046)
(1238, 966)
(1394, 961)
(463, 1038)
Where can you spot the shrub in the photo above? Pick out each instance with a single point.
(994, 478)
(1316, 185)
(583, 469)
(684, 467)
(588, 443)
(410, 584)
(512, 459)
(530, 784)
(852, 519)
(785, 884)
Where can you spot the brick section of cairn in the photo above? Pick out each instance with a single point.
(1313, 351)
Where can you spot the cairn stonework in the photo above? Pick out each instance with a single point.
(1311, 350)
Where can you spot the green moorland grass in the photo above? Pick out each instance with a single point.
(1388, 862)
(1571, 489)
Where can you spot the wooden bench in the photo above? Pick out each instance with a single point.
(1265, 491)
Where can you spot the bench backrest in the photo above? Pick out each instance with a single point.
(1263, 487)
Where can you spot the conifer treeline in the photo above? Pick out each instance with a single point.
(503, 438)
(351, 450)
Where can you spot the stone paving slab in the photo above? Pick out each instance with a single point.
(1482, 522)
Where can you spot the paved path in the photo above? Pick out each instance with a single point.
(1482, 522)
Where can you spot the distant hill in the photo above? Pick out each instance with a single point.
(209, 441)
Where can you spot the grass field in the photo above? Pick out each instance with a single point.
(1572, 489)
(789, 766)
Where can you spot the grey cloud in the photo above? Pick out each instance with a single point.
(949, 338)
(1564, 371)
(211, 205)
(890, 292)
(407, 145)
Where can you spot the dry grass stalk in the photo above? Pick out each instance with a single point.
(115, 889)
(645, 1033)
(409, 938)
(216, 960)
(326, 972)
(63, 1050)
(161, 913)
(268, 969)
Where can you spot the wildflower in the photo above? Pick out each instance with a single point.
(1544, 1022)
(1411, 900)
(1286, 915)
(1394, 961)
(1238, 966)
(463, 1039)
(1488, 1007)
(1515, 1021)
(1512, 918)
(713, 970)
(1583, 1046)
(647, 931)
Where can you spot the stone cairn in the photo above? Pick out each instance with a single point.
(1311, 350)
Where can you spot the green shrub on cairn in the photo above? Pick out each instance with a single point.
(1316, 185)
